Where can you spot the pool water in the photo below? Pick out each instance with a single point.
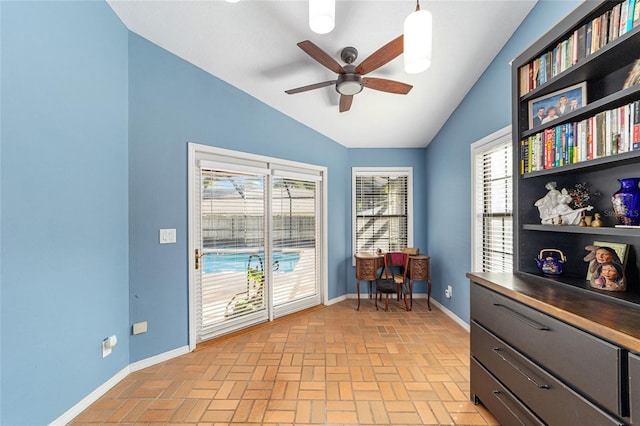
(283, 262)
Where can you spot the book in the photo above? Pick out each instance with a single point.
(588, 38)
(614, 27)
(604, 28)
(595, 35)
(636, 16)
(624, 9)
(549, 140)
(630, 14)
(635, 127)
(581, 44)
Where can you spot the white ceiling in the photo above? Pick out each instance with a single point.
(252, 46)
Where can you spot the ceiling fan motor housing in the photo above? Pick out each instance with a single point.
(349, 55)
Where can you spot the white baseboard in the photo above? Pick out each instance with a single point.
(157, 359)
(337, 299)
(74, 411)
(451, 315)
(446, 311)
(71, 413)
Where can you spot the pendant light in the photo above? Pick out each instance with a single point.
(418, 28)
(322, 15)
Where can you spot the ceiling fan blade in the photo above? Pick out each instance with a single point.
(385, 54)
(385, 85)
(310, 87)
(321, 56)
(345, 102)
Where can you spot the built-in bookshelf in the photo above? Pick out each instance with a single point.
(587, 39)
(592, 50)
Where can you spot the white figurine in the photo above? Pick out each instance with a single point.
(554, 207)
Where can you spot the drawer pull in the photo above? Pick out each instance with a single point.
(519, 369)
(498, 396)
(524, 319)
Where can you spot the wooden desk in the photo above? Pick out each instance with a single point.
(367, 265)
(419, 271)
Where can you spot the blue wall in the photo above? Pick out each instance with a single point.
(63, 205)
(485, 109)
(172, 102)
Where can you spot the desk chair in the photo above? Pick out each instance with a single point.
(395, 278)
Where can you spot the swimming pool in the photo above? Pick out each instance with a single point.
(219, 262)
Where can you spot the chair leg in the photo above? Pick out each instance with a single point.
(386, 303)
(429, 294)
(376, 299)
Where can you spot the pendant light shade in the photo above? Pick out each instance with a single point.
(418, 40)
(322, 15)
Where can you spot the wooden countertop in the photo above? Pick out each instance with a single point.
(613, 321)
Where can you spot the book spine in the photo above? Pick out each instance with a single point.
(636, 125)
(630, 14)
(548, 148)
(624, 10)
(588, 38)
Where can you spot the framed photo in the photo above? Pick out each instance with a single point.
(607, 265)
(554, 105)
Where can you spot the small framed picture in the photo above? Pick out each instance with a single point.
(607, 264)
(554, 105)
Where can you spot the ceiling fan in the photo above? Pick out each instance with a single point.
(350, 79)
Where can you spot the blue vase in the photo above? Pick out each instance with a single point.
(626, 202)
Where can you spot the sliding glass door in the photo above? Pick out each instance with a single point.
(256, 241)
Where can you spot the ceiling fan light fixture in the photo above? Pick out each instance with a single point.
(349, 84)
(322, 16)
(418, 40)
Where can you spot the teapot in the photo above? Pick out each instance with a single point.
(551, 265)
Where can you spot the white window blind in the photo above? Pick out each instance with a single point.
(493, 225)
(295, 237)
(382, 209)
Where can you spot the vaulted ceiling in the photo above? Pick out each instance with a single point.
(252, 45)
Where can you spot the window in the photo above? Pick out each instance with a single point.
(492, 175)
(382, 206)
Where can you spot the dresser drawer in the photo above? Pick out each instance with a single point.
(634, 388)
(550, 399)
(586, 363)
(504, 406)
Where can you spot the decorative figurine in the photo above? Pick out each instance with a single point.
(606, 269)
(596, 222)
(555, 204)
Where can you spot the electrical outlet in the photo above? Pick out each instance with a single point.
(106, 349)
(448, 292)
(108, 344)
(140, 327)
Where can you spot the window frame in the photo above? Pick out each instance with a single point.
(381, 172)
(488, 143)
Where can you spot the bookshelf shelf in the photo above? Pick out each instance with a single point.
(589, 230)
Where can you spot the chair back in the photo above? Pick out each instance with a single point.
(396, 261)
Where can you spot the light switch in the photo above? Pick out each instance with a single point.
(167, 236)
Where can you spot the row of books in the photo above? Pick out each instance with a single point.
(607, 133)
(584, 41)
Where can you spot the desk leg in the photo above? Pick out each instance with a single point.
(358, 290)
(410, 295)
